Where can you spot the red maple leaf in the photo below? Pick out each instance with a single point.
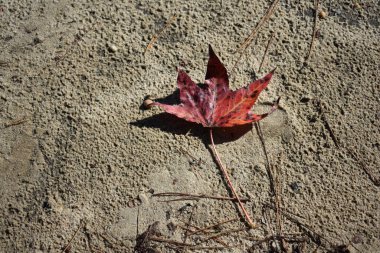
(214, 104)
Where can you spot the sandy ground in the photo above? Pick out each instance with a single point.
(80, 159)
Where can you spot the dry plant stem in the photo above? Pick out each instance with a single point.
(194, 196)
(212, 226)
(265, 52)
(267, 218)
(159, 239)
(278, 207)
(267, 165)
(156, 36)
(326, 122)
(137, 221)
(185, 245)
(227, 232)
(72, 238)
(15, 122)
(250, 38)
(281, 237)
(189, 224)
(267, 15)
(375, 180)
(191, 232)
(246, 215)
(314, 236)
(314, 30)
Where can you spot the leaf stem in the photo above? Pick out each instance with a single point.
(229, 183)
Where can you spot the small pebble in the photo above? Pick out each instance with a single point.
(112, 48)
(144, 199)
(357, 5)
(38, 40)
(148, 103)
(296, 186)
(322, 14)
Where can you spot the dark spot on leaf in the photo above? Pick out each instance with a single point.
(254, 94)
(203, 111)
(196, 98)
(223, 122)
(202, 85)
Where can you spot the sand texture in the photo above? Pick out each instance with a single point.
(81, 161)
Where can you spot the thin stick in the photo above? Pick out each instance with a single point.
(189, 224)
(192, 231)
(269, 172)
(15, 122)
(194, 196)
(184, 245)
(224, 233)
(314, 236)
(266, 51)
(212, 226)
(316, 2)
(326, 122)
(280, 237)
(375, 180)
(250, 38)
(180, 244)
(157, 35)
(266, 216)
(278, 207)
(137, 221)
(72, 238)
(205, 247)
(225, 174)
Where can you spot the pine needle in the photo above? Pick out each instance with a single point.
(229, 183)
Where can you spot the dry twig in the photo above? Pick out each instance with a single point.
(267, 164)
(160, 32)
(223, 233)
(314, 236)
(375, 180)
(326, 122)
(288, 238)
(265, 52)
(68, 245)
(187, 245)
(15, 122)
(192, 231)
(189, 224)
(213, 226)
(229, 183)
(250, 38)
(142, 241)
(188, 196)
(316, 3)
(278, 207)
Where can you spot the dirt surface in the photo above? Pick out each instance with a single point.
(80, 161)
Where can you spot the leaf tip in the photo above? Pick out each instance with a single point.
(210, 51)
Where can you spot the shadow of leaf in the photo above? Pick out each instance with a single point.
(172, 124)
